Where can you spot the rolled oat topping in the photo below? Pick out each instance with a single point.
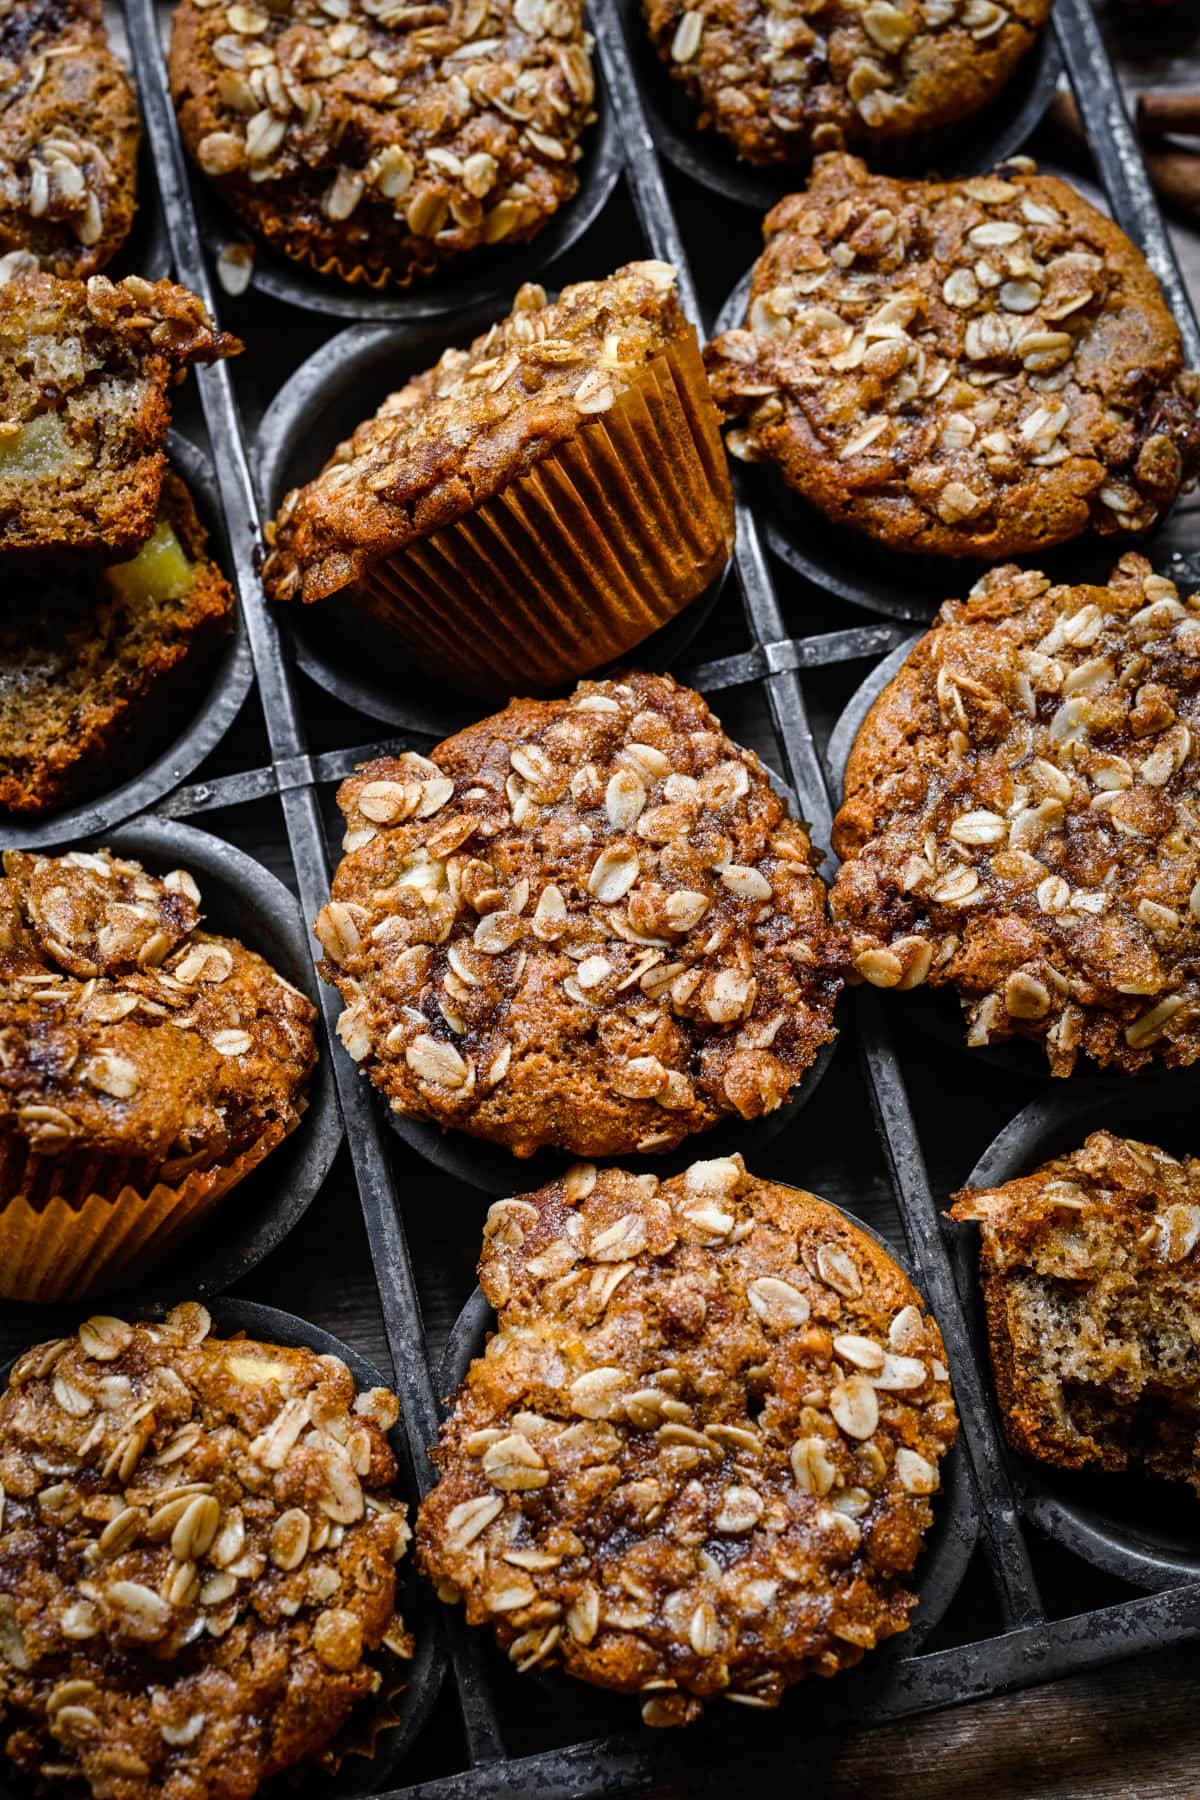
(972, 368)
(127, 1030)
(377, 139)
(1092, 1284)
(68, 136)
(584, 922)
(1020, 818)
(697, 1457)
(782, 81)
(457, 433)
(197, 1549)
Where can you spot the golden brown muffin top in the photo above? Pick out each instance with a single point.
(69, 134)
(970, 368)
(456, 434)
(130, 1031)
(196, 1557)
(585, 922)
(378, 140)
(782, 82)
(697, 1455)
(1019, 812)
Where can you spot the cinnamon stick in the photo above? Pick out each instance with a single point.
(1175, 173)
(1167, 112)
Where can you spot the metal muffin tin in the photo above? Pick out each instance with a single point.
(1137, 1527)
(422, 1679)
(475, 288)
(352, 656)
(213, 708)
(240, 899)
(584, 1753)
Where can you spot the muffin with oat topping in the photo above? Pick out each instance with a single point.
(698, 1457)
(1092, 1286)
(1019, 818)
(586, 923)
(146, 1066)
(532, 507)
(973, 368)
(783, 82)
(69, 135)
(85, 373)
(378, 141)
(201, 1591)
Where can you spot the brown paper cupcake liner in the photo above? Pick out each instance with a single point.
(74, 1224)
(583, 557)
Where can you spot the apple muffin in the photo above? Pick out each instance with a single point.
(1018, 818)
(780, 83)
(697, 1458)
(378, 143)
(974, 368)
(95, 662)
(146, 1067)
(85, 373)
(69, 133)
(1092, 1286)
(535, 506)
(586, 923)
(197, 1559)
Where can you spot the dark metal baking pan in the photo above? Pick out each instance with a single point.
(213, 707)
(999, 130)
(241, 898)
(479, 286)
(351, 655)
(414, 1700)
(1137, 1527)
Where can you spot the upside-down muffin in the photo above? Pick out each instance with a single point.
(69, 135)
(1019, 818)
(85, 372)
(586, 923)
(378, 142)
(782, 82)
(146, 1066)
(94, 662)
(697, 1457)
(968, 368)
(1092, 1285)
(197, 1560)
(533, 507)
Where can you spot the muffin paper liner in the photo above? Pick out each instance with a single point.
(578, 560)
(74, 1224)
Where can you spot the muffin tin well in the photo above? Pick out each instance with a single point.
(351, 655)
(416, 1685)
(474, 289)
(708, 157)
(242, 899)
(213, 703)
(1137, 1527)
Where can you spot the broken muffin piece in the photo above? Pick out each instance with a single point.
(1092, 1288)
(85, 372)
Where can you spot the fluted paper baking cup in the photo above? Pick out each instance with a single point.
(79, 1224)
(580, 559)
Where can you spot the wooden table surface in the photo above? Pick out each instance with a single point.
(1129, 1731)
